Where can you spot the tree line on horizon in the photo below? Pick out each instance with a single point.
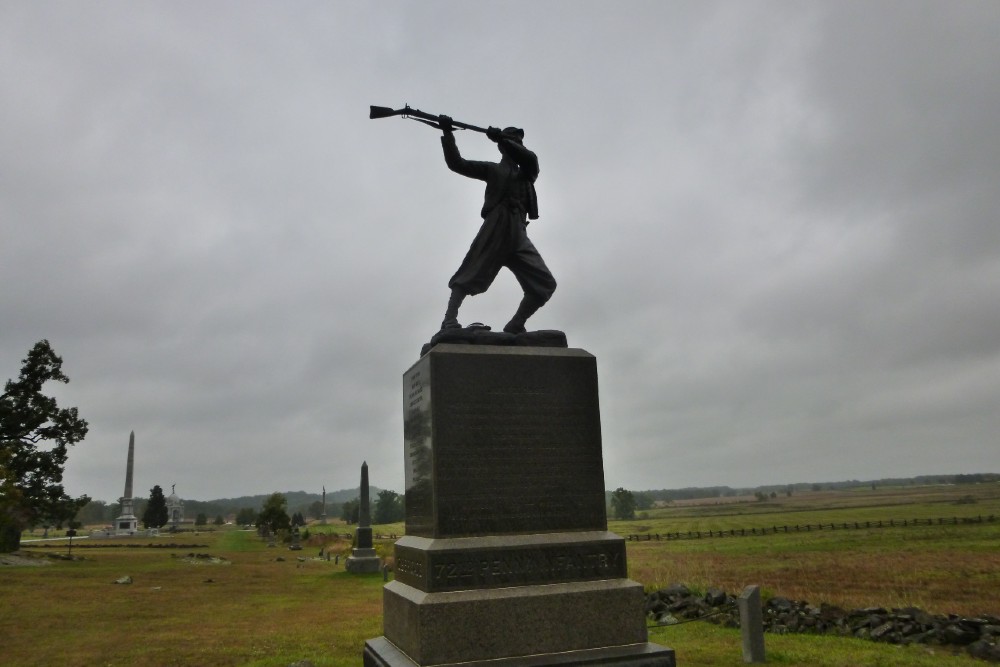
(697, 492)
(35, 436)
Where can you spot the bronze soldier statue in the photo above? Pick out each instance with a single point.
(502, 241)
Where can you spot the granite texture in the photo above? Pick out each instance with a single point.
(507, 559)
(380, 652)
(502, 440)
(450, 564)
(435, 628)
(362, 563)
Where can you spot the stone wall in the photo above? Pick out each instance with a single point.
(977, 636)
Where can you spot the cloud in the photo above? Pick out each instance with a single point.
(772, 225)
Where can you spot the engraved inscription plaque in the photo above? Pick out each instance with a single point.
(418, 468)
(503, 441)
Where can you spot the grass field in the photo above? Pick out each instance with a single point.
(942, 569)
(252, 609)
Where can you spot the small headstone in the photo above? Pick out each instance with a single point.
(751, 624)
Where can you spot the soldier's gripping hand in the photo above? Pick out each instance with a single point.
(445, 123)
(495, 134)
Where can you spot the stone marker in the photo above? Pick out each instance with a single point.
(507, 558)
(363, 559)
(751, 624)
(127, 523)
(322, 518)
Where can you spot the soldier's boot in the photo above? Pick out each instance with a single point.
(529, 304)
(451, 314)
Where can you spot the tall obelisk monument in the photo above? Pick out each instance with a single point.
(363, 558)
(322, 518)
(126, 523)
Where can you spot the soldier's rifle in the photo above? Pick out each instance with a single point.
(425, 118)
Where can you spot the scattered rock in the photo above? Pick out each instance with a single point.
(124, 580)
(21, 559)
(715, 597)
(984, 650)
(205, 559)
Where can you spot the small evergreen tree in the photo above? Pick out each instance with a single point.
(156, 514)
(623, 504)
(201, 519)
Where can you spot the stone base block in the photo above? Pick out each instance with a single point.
(363, 563)
(465, 626)
(380, 652)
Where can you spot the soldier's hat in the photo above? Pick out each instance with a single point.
(516, 132)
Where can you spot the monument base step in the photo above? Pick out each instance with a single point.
(380, 652)
(364, 564)
(492, 624)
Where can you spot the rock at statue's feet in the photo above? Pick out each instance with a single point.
(480, 334)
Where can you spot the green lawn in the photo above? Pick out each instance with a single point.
(254, 609)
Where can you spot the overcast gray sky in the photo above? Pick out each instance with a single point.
(773, 223)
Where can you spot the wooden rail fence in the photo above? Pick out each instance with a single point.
(807, 528)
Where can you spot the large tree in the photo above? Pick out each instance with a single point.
(351, 510)
(273, 515)
(623, 504)
(246, 516)
(316, 509)
(156, 514)
(34, 438)
(388, 507)
(93, 513)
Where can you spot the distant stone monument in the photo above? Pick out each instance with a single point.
(507, 559)
(363, 559)
(127, 523)
(322, 517)
(175, 508)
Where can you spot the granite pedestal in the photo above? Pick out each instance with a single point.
(507, 557)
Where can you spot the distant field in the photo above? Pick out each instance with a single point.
(255, 610)
(943, 569)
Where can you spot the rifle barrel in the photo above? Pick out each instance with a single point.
(385, 112)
